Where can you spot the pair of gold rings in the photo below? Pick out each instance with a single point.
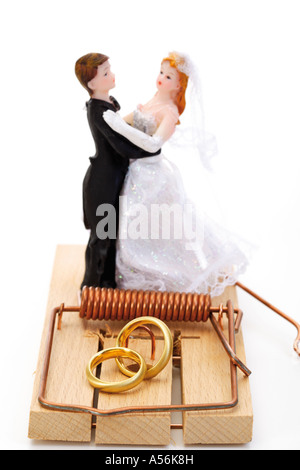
(120, 351)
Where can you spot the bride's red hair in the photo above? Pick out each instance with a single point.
(180, 102)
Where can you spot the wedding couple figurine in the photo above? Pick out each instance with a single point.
(129, 163)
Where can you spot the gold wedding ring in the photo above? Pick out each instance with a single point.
(167, 351)
(115, 387)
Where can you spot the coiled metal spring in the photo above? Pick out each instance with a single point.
(100, 303)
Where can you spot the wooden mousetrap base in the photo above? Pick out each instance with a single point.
(205, 377)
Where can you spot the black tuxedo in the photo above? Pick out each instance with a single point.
(102, 185)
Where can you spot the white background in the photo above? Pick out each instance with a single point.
(248, 56)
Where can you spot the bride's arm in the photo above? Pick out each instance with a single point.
(167, 126)
(149, 143)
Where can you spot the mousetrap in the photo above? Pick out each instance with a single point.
(214, 397)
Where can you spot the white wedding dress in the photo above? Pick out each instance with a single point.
(157, 250)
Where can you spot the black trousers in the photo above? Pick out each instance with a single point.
(100, 262)
(100, 254)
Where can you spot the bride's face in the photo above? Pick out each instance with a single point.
(168, 78)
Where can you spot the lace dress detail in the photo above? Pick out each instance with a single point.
(162, 256)
(144, 122)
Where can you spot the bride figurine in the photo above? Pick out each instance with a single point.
(165, 243)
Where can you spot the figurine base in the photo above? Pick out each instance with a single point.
(205, 377)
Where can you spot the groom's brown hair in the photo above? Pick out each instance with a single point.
(87, 66)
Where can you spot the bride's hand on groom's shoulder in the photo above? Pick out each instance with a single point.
(115, 121)
(109, 116)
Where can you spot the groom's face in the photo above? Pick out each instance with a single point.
(104, 80)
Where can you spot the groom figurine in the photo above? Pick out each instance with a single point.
(105, 176)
